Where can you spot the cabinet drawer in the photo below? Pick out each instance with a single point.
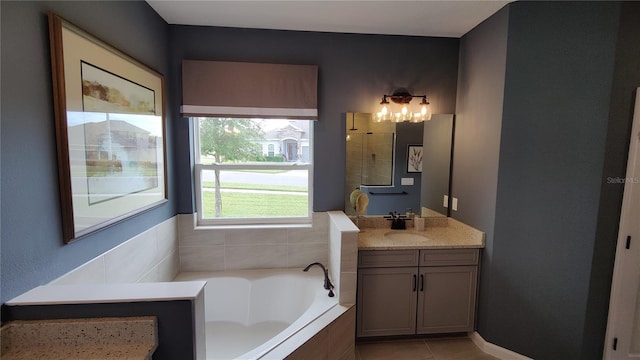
(387, 258)
(449, 257)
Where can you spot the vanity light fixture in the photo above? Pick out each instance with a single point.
(402, 110)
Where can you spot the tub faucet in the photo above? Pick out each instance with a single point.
(327, 283)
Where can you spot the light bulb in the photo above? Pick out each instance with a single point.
(404, 110)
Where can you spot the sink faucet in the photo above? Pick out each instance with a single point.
(397, 221)
(327, 283)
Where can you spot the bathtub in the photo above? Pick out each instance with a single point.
(248, 313)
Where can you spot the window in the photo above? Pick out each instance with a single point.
(253, 171)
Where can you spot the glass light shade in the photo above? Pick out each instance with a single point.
(404, 112)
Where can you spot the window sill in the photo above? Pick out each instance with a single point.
(254, 226)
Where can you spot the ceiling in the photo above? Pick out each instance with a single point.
(450, 18)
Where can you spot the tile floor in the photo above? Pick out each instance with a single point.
(449, 348)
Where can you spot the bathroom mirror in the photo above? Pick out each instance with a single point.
(378, 163)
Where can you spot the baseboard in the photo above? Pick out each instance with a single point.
(495, 350)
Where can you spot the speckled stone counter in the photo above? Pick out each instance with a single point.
(98, 338)
(439, 233)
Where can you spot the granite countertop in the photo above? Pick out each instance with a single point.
(442, 233)
(98, 338)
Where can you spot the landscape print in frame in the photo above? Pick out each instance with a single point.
(109, 113)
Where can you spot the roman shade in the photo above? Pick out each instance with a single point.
(251, 90)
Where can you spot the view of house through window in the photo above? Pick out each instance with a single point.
(253, 170)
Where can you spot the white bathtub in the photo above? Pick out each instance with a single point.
(248, 313)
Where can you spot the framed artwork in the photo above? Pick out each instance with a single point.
(414, 159)
(110, 131)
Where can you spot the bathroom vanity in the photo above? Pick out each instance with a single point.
(417, 282)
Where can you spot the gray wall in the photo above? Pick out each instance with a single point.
(354, 72)
(558, 85)
(550, 241)
(32, 248)
(483, 55)
(626, 79)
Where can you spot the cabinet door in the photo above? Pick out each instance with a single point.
(386, 301)
(446, 299)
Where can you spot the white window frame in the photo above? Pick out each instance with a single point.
(249, 221)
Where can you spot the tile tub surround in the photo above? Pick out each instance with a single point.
(436, 235)
(150, 256)
(343, 256)
(211, 249)
(175, 245)
(332, 336)
(104, 338)
(331, 239)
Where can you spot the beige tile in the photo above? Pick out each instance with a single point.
(334, 253)
(202, 258)
(349, 252)
(150, 276)
(315, 348)
(92, 272)
(349, 354)
(414, 349)
(348, 285)
(321, 220)
(127, 262)
(317, 233)
(255, 236)
(186, 223)
(456, 349)
(201, 237)
(342, 334)
(169, 267)
(255, 257)
(188, 235)
(301, 255)
(307, 235)
(167, 237)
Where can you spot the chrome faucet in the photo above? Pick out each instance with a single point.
(327, 283)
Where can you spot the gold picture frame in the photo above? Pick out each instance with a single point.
(110, 131)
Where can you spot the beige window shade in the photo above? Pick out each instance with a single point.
(239, 89)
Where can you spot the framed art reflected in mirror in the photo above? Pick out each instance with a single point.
(414, 158)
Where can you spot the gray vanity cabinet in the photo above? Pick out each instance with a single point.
(405, 292)
(387, 285)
